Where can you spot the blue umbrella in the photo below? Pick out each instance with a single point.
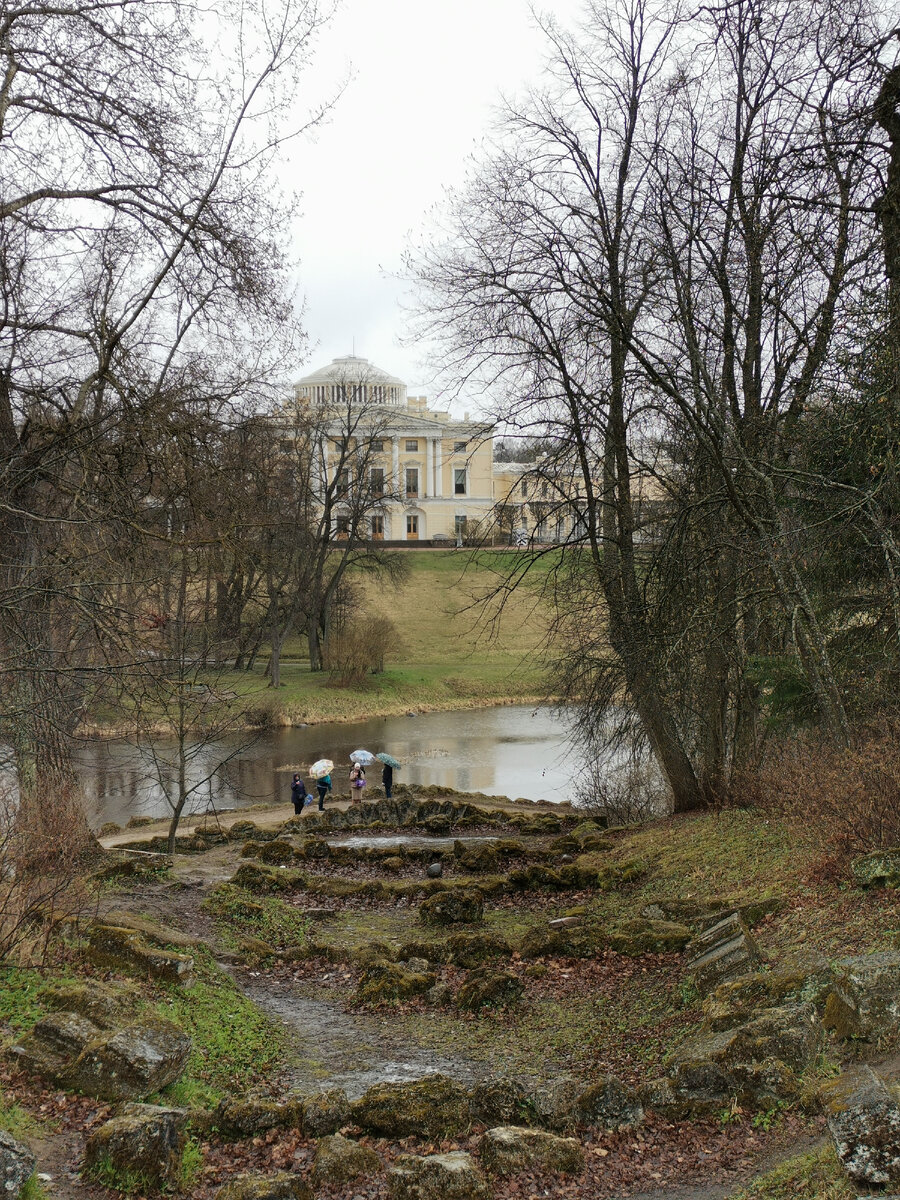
(364, 757)
(389, 761)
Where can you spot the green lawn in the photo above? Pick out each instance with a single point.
(454, 651)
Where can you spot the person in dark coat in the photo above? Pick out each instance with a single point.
(387, 778)
(298, 794)
(323, 787)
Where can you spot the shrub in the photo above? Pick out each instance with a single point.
(848, 800)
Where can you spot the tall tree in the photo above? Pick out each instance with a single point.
(138, 224)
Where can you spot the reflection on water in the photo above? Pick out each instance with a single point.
(509, 751)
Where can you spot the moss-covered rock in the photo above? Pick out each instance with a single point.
(472, 949)
(105, 1004)
(640, 936)
(132, 1063)
(324, 1113)
(385, 981)
(393, 864)
(338, 1160)
(281, 1185)
(509, 1149)
(536, 877)
(143, 1143)
(585, 940)
(17, 1163)
(864, 1122)
(758, 1062)
(116, 946)
(881, 868)
(452, 1176)
(433, 952)
(263, 880)
(433, 1107)
(453, 906)
(371, 952)
(865, 998)
(486, 987)
(241, 1118)
(610, 1104)
(481, 858)
(500, 1100)
(125, 1064)
(806, 975)
(278, 852)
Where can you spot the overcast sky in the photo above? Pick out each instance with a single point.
(424, 78)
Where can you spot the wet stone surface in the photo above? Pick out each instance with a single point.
(408, 842)
(352, 1051)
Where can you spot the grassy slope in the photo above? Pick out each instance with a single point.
(449, 658)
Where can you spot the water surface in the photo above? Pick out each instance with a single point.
(515, 750)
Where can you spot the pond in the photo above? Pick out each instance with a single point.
(515, 750)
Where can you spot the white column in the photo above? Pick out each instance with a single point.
(395, 465)
(429, 467)
(438, 467)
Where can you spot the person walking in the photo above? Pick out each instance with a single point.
(323, 786)
(387, 778)
(298, 794)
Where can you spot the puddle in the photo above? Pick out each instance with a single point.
(334, 1049)
(407, 840)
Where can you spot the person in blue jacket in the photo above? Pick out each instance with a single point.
(323, 786)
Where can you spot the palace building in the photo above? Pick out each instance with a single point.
(438, 471)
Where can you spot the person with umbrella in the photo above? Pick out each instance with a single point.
(360, 760)
(389, 763)
(321, 772)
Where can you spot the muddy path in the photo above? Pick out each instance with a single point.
(331, 1048)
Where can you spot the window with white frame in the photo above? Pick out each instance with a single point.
(412, 481)
(459, 481)
(412, 445)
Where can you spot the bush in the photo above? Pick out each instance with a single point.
(847, 800)
(360, 648)
(43, 864)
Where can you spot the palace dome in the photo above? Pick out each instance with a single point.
(353, 376)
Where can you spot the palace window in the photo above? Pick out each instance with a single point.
(412, 526)
(342, 483)
(412, 481)
(376, 477)
(545, 490)
(524, 489)
(412, 445)
(377, 527)
(377, 446)
(342, 527)
(459, 447)
(459, 481)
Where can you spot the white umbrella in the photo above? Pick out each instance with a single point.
(323, 767)
(364, 757)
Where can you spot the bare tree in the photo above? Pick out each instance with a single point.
(665, 250)
(138, 224)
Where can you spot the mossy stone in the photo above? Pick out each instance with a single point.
(452, 906)
(338, 1160)
(385, 981)
(471, 949)
(641, 936)
(324, 1113)
(433, 1107)
(486, 987)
